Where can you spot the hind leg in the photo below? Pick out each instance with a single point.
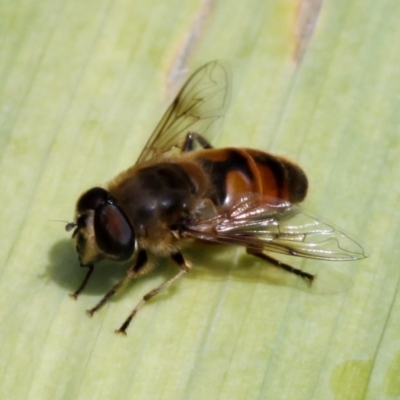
(190, 140)
(305, 275)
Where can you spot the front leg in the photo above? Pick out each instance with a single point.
(84, 282)
(132, 273)
(183, 269)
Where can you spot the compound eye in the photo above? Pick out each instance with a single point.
(114, 234)
(91, 199)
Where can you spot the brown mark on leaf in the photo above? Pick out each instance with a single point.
(178, 70)
(306, 20)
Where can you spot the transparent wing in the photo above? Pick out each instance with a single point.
(199, 107)
(266, 223)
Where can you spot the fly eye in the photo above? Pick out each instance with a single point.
(114, 234)
(92, 199)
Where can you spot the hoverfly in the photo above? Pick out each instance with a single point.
(182, 188)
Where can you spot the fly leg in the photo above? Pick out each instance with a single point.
(132, 273)
(305, 275)
(183, 269)
(190, 140)
(84, 282)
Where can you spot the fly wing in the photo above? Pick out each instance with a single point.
(265, 223)
(199, 107)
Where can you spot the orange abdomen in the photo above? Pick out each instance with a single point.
(237, 170)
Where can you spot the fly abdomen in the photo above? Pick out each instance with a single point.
(234, 171)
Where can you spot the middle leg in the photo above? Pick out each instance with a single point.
(133, 272)
(183, 269)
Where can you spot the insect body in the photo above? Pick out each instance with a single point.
(181, 188)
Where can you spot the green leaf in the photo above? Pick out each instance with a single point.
(82, 85)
